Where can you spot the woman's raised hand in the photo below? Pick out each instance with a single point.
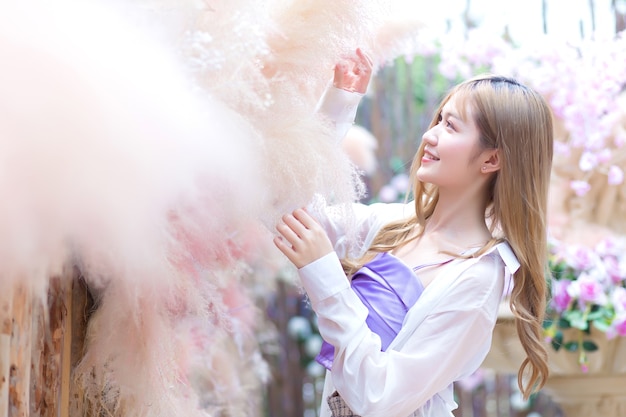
(353, 73)
(302, 239)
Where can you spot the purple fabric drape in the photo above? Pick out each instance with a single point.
(388, 288)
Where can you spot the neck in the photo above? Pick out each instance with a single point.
(460, 217)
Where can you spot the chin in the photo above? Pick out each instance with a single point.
(422, 176)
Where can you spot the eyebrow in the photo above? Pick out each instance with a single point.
(454, 115)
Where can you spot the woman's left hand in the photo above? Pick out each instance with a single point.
(353, 73)
(302, 239)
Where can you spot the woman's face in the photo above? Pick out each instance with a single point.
(451, 149)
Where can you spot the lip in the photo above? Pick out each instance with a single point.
(429, 157)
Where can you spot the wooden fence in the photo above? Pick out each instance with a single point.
(40, 343)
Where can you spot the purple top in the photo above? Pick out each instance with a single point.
(388, 288)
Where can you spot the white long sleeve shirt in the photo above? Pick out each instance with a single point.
(445, 335)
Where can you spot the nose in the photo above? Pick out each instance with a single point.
(430, 136)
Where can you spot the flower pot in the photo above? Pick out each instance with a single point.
(601, 391)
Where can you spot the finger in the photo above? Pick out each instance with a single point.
(281, 244)
(339, 75)
(349, 56)
(295, 223)
(305, 219)
(365, 59)
(288, 234)
(285, 248)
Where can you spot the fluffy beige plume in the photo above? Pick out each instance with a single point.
(271, 61)
(113, 161)
(152, 160)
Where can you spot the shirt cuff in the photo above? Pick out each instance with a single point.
(339, 105)
(323, 278)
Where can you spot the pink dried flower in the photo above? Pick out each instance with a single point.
(588, 161)
(604, 156)
(388, 194)
(615, 175)
(400, 182)
(580, 187)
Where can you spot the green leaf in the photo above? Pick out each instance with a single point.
(547, 323)
(602, 325)
(589, 346)
(595, 315)
(564, 323)
(557, 341)
(577, 319)
(571, 346)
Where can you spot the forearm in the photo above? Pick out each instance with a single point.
(339, 108)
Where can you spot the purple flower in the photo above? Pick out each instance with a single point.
(618, 298)
(611, 264)
(608, 246)
(582, 258)
(560, 297)
(588, 290)
(584, 367)
(618, 326)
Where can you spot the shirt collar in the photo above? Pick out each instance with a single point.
(509, 258)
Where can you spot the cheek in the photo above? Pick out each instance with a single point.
(464, 155)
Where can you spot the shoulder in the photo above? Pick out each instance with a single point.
(481, 272)
(386, 212)
(481, 281)
(500, 260)
(351, 227)
(380, 215)
(373, 213)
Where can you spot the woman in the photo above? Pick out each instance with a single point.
(480, 178)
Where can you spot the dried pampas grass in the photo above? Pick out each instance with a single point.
(156, 161)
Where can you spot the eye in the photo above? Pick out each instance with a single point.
(447, 123)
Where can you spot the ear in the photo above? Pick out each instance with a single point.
(491, 161)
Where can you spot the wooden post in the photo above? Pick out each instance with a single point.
(66, 349)
(19, 389)
(81, 304)
(40, 343)
(6, 324)
(39, 386)
(59, 302)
